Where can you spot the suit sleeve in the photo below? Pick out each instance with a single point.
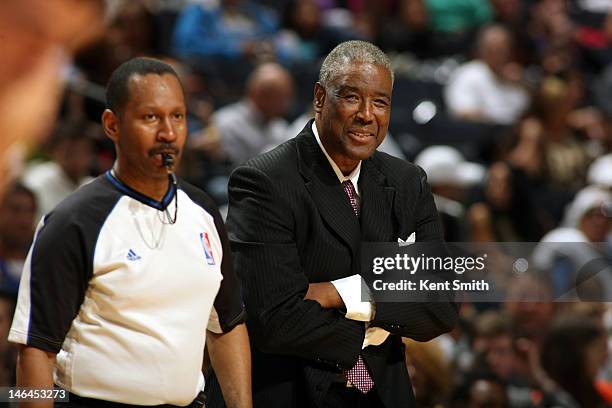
(421, 321)
(261, 225)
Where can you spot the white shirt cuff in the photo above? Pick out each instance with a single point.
(349, 289)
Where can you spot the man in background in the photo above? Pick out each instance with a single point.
(490, 88)
(255, 123)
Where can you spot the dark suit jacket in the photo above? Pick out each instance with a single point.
(290, 223)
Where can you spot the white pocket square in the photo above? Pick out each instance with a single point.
(410, 240)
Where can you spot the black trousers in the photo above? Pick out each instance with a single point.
(339, 395)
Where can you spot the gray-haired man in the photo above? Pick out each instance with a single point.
(297, 217)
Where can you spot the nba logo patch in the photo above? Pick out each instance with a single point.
(208, 252)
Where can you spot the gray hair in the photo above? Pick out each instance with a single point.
(352, 52)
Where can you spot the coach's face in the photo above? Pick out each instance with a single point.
(353, 112)
(152, 122)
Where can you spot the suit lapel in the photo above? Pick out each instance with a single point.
(326, 191)
(377, 218)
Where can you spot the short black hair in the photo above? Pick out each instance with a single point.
(117, 88)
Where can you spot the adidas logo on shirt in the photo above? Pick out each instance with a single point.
(132, 256)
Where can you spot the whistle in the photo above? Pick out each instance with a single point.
(167, 160)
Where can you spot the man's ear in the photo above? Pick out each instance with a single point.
(110, 123)
(319, 97)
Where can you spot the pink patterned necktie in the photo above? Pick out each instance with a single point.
(349, 189)
(359, 375)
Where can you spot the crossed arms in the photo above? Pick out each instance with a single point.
(287, 313)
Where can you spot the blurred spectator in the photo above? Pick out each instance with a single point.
(38, 36)
(503, 210)
(529, 305)
(132, 33)
(430, 375)
(487, 393)
(70, 151)
(458, 16)
(600, 172)
(569, 253)
(508, 12)
(572, 356)
(593, 6)
(602, 89)
(595, 44)
(552, 30)
(566, 157)
(529, 159)
(231, 29)
(590, 213)
(456, 345)
(529, 153)
(493, 344)
(481, 390)
(456, 21)
(17, 211)
(450, 176)
(515, 361)
(256, 122)
(409, 31)
(203, 163)
(530, 308)
(512, 14)
(304, 38)
(489, 88)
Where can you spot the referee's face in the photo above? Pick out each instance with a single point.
(153, 122)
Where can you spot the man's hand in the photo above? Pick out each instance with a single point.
(230, 355)
(326, 294)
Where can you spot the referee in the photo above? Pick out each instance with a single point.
(131, 275)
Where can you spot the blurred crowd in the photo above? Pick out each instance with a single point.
(506, 104)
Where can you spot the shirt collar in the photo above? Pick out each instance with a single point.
(127, 190)
(353, 176)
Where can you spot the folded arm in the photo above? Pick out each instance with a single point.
(418, 320)
(284, 318)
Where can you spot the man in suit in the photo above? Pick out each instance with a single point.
(297, 217)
